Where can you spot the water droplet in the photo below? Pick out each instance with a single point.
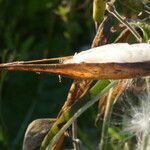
(38, 72)
(59, 77)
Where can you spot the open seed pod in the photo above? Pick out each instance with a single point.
(112, 61)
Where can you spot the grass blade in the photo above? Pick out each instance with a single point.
(74, 112)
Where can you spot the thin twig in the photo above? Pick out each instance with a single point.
(111, 8)
(39, 60)
(148, 84)
(76, 144)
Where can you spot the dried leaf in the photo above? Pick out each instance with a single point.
(103, 33)
(73, 112)
(120, 87)
(77, 90)
(123, 36)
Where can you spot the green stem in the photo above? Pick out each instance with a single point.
(148, 85)
(76, 145)
(107, 115)
(72, 114)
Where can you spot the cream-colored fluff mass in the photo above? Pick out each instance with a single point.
(118, 53)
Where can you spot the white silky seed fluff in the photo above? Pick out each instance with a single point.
(119, 53)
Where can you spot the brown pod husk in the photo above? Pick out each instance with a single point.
(36, 132)
(93, 71)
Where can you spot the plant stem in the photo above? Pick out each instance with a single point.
(148, 84)
(107, 115)
(111, 8)
(144, 142)
(70, 116)
(76, 145)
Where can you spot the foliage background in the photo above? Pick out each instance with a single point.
(31, 29)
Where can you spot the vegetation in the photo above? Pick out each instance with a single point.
(34, 29)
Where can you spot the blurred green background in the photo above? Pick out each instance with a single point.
(36, 29)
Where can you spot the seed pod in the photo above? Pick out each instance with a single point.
(112, 61)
